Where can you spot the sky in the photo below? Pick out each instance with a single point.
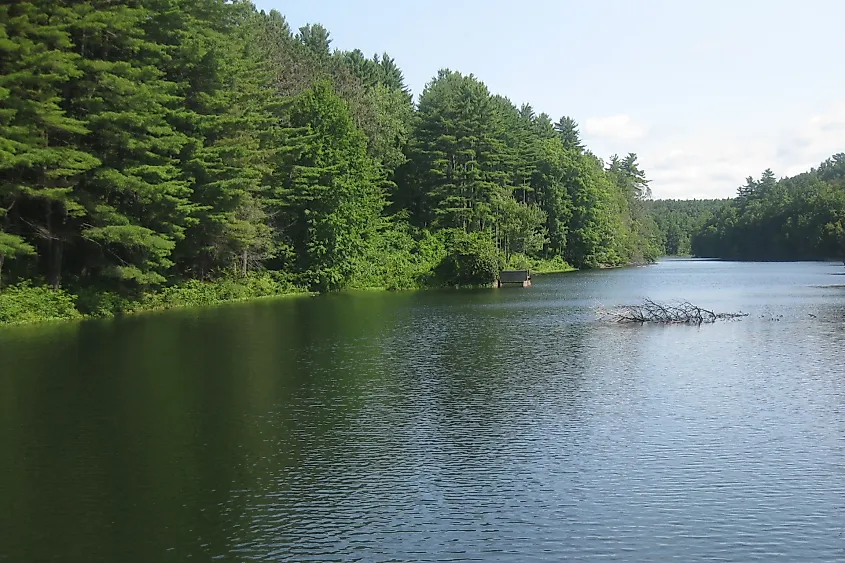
(706, 93)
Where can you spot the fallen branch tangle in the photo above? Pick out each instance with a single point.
(661, 313)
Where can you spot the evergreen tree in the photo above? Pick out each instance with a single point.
(367, 70)
(148, 142)
(136, 203)
(316, 38)
(390, 75)
(567, 129)
(41, 160)
(555, 169)
(456, 152)
(333, 198)
(229, 95)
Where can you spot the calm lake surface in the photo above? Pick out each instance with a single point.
(492, 425)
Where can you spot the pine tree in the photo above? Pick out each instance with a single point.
(554, 169)
(567, 130)
(40, 161)
(12, 246)
(333, 198)
(390, 75)
(228, 93)
(457, 152)
(316, 38)
(367, 70)
(136, 203)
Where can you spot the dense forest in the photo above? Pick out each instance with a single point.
(796, 218)
(153, 146)
(680, 220)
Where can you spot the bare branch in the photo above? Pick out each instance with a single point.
(650, 311)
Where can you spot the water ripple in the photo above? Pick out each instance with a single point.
(483, 426)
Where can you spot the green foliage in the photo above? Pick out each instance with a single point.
(389, 130)
(316, 38)
(455, 151)
(522, 227)
(641, 238)
(12, 246)
(158, 153)
(567, 130)
(678, 221)
(400, 257)
(192, 293)
(797, 218)
(538, 265)
(24, 303)
(472, 259)
(196, 293)
(103, 304)
(333, 198)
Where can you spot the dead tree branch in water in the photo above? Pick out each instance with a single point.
(663, 313)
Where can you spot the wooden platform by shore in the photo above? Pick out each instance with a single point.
(520, 278)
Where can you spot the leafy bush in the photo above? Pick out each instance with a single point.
(399, 258)
(267, 284)
(196, 293)
(538, 265)
(520, 262)
(103, 304)
(23, 303)
(472, 259)
(553, 265)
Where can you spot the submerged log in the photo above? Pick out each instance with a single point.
(650, 311)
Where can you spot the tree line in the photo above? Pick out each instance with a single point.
(794, 218)
(148, 143)
(680, 220)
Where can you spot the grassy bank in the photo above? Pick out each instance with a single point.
(26, 304)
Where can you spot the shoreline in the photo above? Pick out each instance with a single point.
(82, 317)
(78, 316)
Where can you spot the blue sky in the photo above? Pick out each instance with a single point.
(706, 93)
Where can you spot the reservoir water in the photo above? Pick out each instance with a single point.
(486, 425)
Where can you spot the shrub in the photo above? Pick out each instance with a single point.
(556, 264)
(399, 258)
(196, 293)
(23, 303)
(538, 265)
(520, 262)
(472, 259)
(103, 304)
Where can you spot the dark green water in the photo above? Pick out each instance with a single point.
(496, 425)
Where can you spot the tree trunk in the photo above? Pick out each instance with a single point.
(55, 246)
(56, 250)
(244, 262)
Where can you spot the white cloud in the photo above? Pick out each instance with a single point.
(706, 166)
(834, 121)
(614, 127)
(813, 141)
(711, 164)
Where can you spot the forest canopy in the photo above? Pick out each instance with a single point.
(797, 218)
(147, 143)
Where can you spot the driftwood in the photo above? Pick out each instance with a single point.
(664, 313)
